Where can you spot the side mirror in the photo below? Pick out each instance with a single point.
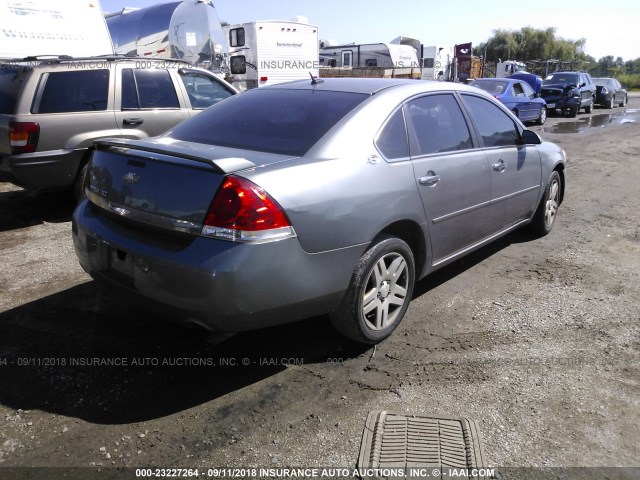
(238, 65)
(531, 138)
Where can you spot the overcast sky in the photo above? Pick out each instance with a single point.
(610, 27)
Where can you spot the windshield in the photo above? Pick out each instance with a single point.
(571, 78)
(280, 121)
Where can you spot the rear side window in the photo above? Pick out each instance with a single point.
(392, 141)
(11, 80)
(495, 126)
(76, 91)
(436, 125)
(203, 90)
(143, 88)
(274, 120)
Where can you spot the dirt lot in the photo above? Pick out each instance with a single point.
(537, 340)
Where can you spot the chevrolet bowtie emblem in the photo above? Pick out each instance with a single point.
(131, 177)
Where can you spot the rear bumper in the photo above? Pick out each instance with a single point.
(223, 285)
(51, 169)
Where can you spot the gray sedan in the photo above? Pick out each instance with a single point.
(313, 197)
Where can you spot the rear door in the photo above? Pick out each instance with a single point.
(148, 101)
(515, 168)
(453, 177)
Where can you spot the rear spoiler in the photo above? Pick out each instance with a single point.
(221, 165)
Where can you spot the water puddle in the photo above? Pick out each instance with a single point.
(598, 120)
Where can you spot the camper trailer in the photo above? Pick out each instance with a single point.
(188, 30)
(386, 55)
(272, 52)
(435, 61)
(369, 60)
(40, 28)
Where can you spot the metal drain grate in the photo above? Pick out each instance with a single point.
(409, 442)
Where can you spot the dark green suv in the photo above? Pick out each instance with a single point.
(569, 92)
(51, 111)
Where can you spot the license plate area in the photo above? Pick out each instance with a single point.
(551, 105)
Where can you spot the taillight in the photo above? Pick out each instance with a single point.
(23, 136)
(242, 211)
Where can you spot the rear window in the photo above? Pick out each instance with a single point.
(78, 91)
(492, 87)
(280, 121)
(11, 79)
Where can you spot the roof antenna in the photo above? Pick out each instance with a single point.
(314, 80)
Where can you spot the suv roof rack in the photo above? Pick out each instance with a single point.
(50, 59)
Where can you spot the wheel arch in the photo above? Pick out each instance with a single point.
(412, 234)
(560, 169)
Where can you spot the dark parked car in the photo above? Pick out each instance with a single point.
(518, 96)
(310, 198)
(569, 92)
(51, 111)
(610, 92)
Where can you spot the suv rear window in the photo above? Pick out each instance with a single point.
(281, 121)
(76, 91)
(11, 79)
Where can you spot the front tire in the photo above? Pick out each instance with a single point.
(611, 103)
(379, 293)
(545, 216)
(589, 108)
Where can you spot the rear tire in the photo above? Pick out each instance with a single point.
(624, 101)
(543, 116)
(546, 213)
(78, 183)
(611, 103)
(379, 293)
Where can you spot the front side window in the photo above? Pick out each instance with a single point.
(147, 89)
(436, 125)
(528, 91)
(496, 128)
(75, 91)
(203, 90)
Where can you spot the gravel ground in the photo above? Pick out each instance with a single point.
(535, 339)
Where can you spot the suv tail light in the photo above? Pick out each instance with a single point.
(241, 211)
(23, 136)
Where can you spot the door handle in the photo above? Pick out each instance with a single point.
(133, 121)
(429, 179)
(500, 166)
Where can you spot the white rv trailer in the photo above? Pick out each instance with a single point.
(188, 30)
(435, 61)
(274, 51)
(39, 28)
(385, 55)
